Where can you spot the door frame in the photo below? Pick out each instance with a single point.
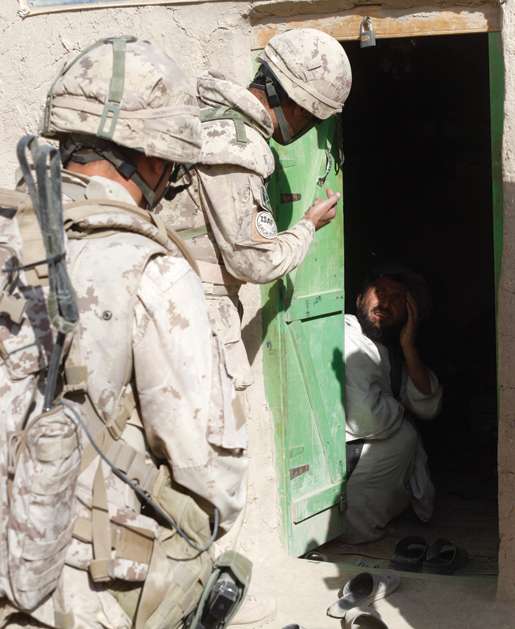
(345, 26)
(387, 22)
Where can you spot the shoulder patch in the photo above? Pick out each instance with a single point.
(265, 225)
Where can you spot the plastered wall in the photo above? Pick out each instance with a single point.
(213, 35)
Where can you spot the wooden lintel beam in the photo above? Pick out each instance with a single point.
(387, 23)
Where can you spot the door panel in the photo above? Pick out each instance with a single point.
(303, 352)
(496, 64)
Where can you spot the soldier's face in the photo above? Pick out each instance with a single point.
(299, 120)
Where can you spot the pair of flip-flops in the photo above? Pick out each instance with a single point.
(356, 619)
(357, 594)
(414, 554)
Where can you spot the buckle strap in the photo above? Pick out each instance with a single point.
(99, 570)
(99, 567)
(116, 88)
(239, 119)
(127, 543)
(33, 249)
(189, 234)
(117, 425)
(133, 463)
(76, 377)
(107, 437)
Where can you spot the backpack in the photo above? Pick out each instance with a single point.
(40, 444)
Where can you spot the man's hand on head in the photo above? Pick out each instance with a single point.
(409, 330)
(416, 369)
(322, 212)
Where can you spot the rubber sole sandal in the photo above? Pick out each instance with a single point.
(294, 627)
(444, 557)
(409, 554)
(363, 619)
(362, 589)
(314, 555)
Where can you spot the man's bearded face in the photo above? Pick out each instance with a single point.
(381, 310)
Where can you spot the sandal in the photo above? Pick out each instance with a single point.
(363, 589)
(409, 554)
(357, 618)
(444, 557)
(294, 626)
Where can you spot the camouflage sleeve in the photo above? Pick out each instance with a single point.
(243, 225)
(175, 374)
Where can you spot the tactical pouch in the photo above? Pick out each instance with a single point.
(177, 573)
(44, 466)
(224, 592)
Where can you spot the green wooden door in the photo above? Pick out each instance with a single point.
(496, 66)
(303, 350)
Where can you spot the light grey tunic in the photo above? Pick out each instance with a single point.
(392, 470)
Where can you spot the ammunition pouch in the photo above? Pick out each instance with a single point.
(44, 466)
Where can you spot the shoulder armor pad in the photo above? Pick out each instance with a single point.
(221, 144)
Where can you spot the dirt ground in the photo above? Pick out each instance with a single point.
(304, 589)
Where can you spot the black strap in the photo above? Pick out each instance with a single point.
(353, 453)
(46, 199)
(395, 356)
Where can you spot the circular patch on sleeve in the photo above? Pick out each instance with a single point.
(265, 225)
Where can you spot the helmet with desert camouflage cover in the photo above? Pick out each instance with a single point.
(123, 92)
(311, 67)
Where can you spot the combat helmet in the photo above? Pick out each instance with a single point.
(311, 67)
(123, 92)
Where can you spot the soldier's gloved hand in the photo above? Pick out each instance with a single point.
(322, 212)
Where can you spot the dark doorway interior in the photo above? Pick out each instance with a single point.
(417, 189)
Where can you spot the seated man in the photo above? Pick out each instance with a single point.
(387, 384)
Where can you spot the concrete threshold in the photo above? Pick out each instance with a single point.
(303, 590)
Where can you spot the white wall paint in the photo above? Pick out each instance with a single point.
(214, 35)
(207, 36)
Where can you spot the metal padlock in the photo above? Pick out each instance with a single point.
(367, 37)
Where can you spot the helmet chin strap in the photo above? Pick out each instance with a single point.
(98, 149)
(275, 103)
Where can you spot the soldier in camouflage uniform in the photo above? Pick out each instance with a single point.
(145, 367)
(221, 204)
